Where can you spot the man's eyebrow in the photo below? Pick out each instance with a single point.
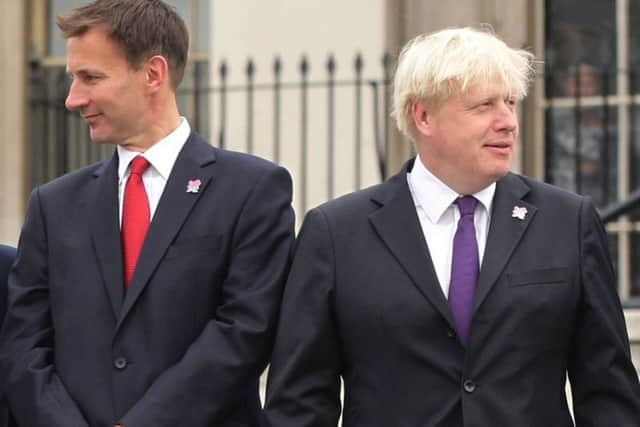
(84, 72)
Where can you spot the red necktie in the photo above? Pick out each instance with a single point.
(135, 217)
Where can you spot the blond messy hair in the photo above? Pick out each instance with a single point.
(433, 67)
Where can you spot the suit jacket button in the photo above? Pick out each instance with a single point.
(120, 363)
(469, 386)
(451, 333)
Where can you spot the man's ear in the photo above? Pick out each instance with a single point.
(157, 72)
(422, 118)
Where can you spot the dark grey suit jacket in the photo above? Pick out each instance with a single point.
(363, 302)
(7, 256)
(187, 342)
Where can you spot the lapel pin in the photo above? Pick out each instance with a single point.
(519, 212)
(193, 186)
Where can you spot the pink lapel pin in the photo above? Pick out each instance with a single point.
(193, 186)
(519, 212)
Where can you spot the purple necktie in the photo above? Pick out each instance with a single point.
(464, 268)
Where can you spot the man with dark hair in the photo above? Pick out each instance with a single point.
(141, 29)
(146, 287)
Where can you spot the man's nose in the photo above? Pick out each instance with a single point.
(507, 119)
(76, 98)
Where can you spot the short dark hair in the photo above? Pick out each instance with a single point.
(142, 28)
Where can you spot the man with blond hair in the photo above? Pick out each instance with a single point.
(147, 287)
(456, 293)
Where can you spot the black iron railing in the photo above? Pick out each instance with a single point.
(60, 140)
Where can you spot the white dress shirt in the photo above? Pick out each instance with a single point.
(439, 218)
(162, 155)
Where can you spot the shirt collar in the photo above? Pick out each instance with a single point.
(435, 197)
(162, 155)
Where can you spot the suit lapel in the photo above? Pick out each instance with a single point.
(397, 224)
(105, 231)
(505, 232)
(195, 161)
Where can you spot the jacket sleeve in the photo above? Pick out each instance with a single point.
(36, 395)
(233, 348)
(604, 383)
(303, 388)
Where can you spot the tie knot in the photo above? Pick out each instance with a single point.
(138, 165)
(467, 205)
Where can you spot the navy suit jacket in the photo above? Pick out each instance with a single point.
(186, 344)
(363, 303)
(7, 256)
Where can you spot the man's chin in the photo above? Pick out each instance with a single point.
(501, 169)
(502, 173)
(498, 175)
(100, 139)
